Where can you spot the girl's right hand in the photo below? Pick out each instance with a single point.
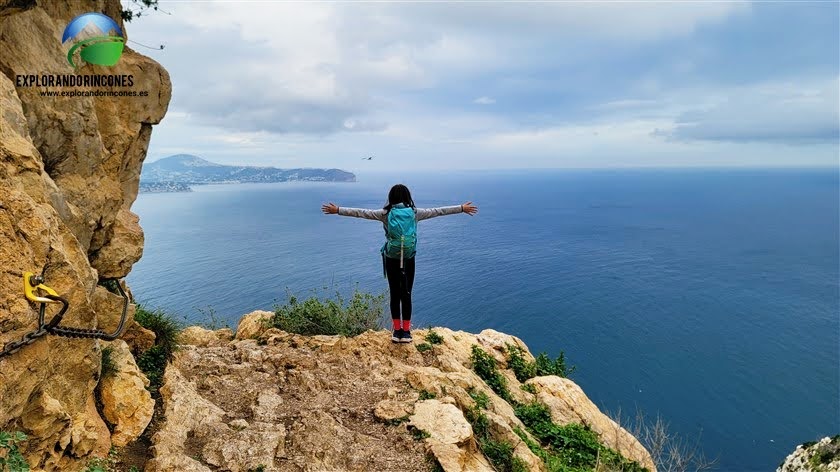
(330, 208)
(469, 208)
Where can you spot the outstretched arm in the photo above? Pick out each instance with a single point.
(426, 213)
(333, 209)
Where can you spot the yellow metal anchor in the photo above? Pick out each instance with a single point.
(31, 283)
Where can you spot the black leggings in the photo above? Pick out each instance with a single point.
(400, 287)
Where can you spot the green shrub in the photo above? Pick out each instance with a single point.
(529, 388)
(433, 338)
(423, 347)
(314, 316)
(523, 369)
(547, 366)
(396, 421)
(823, 455)
(14, 460)
(97, 464)
(480, 398)
(485, 366)
(499, 453)
(427, 395)
(153, 361)
(572, 447)
(110, 285)
(107, 369)
(478, 420)
(543, 365)
(419, 434)
(501, 456)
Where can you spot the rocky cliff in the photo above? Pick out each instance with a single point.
(287, 402)
(69, 172)
(816, 456)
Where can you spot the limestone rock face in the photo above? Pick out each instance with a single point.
(69, 170)
(350, 404)
(253, 324)
(819, 456)
(568, 404)
(138, 338)
(198, 336)
(450, 436)
(127, 405)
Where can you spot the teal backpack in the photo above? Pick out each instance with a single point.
(401, 233)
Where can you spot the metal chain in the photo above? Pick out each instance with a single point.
(28, 338)
(69, 332)
(53, 328)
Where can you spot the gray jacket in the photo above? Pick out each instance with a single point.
(382, 215)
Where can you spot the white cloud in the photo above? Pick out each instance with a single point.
(312, 83)
(310, 67)
(801, 111)
(640, 21)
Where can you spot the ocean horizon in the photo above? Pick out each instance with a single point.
(709, 296)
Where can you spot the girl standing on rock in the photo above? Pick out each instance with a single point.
(400, 219)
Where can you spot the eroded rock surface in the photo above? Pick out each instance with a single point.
(126, 404)
(350, 404)
(568, 404)
(69, 172)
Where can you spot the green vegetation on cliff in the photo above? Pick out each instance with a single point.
(153, 361)
(569, 448)
(330, 316)
(13, 460)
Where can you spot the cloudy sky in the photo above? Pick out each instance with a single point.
(498, 84)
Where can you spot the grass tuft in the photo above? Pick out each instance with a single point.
(154, 360)
(427, 395)
(108, 368)
(433, 338)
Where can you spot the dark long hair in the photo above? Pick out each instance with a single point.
(399, 194)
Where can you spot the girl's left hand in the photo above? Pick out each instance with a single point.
(329, 208)
(469, 208)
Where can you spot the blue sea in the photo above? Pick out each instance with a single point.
(711, 297)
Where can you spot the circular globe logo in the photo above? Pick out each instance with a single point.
(96, 37)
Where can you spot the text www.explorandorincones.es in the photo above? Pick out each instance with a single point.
(95, 93)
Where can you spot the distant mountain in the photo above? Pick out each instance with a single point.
(189, 169)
